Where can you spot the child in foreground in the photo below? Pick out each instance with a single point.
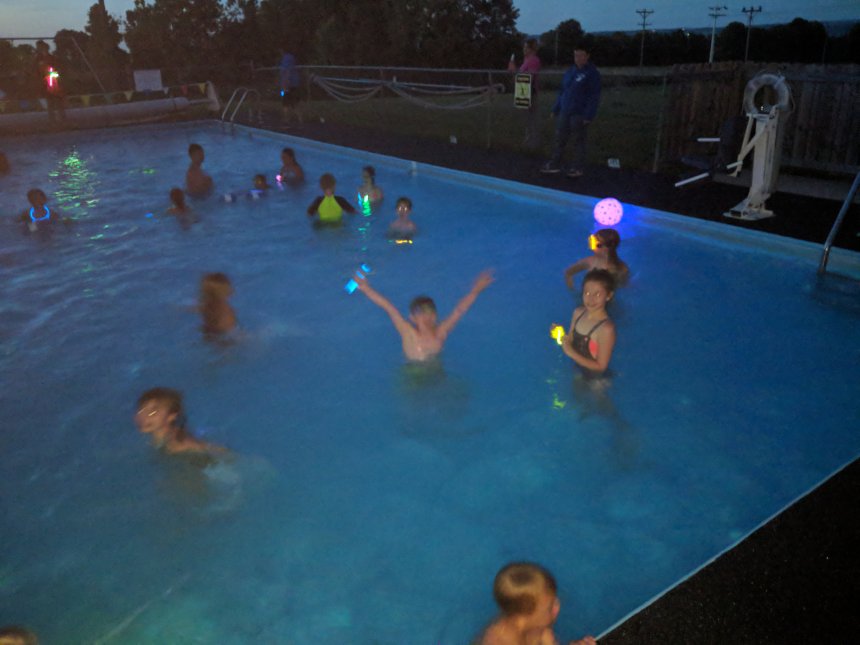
(403, 228)
(197, 182)
(329, 207)
(604, 243)
(422, 337)
(160, 415)
(218, 316)
(177, 203)
(39, 216)
(591, 337)
(526, 595)
(291, 172)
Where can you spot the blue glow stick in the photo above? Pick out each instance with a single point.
(44, 217)
(362, 272)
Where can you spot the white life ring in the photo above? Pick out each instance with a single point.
(777, 82)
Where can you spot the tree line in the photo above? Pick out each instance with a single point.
(225, 40)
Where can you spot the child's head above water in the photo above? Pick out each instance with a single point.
(195, 152)
(15, 635)
(404, 206)
(159, 407)
(260, 182)
(368, 174)
(327, 182)
(287, 155)
(37, 197)
(177, 198)
(421, 305)
(602, 277)
(527, 590)
(216, 285)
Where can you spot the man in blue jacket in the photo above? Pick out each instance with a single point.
(574, 109)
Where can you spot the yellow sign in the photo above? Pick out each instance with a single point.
(523, 91)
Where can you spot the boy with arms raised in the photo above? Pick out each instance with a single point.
(422, 336)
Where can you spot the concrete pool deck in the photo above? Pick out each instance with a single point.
(794, 579)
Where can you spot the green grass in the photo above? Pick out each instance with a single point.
(625, 128)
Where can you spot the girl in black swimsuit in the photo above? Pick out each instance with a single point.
(591, 337)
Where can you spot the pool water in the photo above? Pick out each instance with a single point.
(370, 501)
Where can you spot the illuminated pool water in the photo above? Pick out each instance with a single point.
(369, 504)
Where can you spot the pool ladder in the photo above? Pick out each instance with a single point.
(849, 198)
(245, 91)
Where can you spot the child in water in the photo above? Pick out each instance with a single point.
(291, 172)
(369, 191)
(329, 207)
(39, 216)
(403, 228)
(604, 243)
(4, 164)
(218, 316)
(177, 203)
(197, 182)
(422, 337)
(160, 415)
(527, 597)
(591, 337)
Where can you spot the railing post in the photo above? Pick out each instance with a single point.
(489, 110)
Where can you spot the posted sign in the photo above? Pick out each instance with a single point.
(523, 91)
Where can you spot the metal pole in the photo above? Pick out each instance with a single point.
(660, 128)
(849, 198)
(98, 80)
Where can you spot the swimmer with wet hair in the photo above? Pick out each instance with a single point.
(177, 201)
(329, 207)
(369, 191)
(526, 594)
(218, 316)
(160, 415)
(260, 182)
(39, 216)
(421, 335)
(604, 244)
(4, 164)
(291, 172)
(591, 337)
(403, 228)
(197, 182)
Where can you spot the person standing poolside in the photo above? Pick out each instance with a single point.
(50, 83)
(531, 65)
(288, 84)
(574, 109)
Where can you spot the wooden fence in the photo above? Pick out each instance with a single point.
(821, 133)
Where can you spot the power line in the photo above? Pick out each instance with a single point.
(715, 13)
(644, 13)
(750, 12)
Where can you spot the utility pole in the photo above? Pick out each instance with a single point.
(644, 13)
(715, 13)
(750, 12)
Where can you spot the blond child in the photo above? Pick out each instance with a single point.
(527, 597)
(604, 244)
(422, 336)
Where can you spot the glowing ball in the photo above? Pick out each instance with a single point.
(608, 212)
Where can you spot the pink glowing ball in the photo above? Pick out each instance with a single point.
(608, 212)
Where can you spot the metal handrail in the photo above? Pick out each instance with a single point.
(849, 198)
(245, 92)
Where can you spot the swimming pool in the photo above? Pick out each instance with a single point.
(368, 505)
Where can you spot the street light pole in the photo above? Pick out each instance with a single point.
(715, 13)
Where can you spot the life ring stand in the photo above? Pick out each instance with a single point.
(777, 83)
